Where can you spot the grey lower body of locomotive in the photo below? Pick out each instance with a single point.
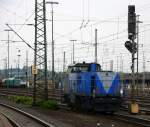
(98, 103)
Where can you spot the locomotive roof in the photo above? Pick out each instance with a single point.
(83, 64)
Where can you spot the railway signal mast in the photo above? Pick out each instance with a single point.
(131, 45)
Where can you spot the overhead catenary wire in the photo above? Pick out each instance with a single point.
(114, 34)
(105, 40)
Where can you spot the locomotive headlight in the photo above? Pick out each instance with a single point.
(121, 91)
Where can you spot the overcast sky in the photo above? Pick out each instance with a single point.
(78, 19)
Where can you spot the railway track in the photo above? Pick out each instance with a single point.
(53, 94)
(20, 118)
(132, 119)
(57, 96)
(144, 104)
(122, 116)
(114, 119)
(144, 111)
(6, 122)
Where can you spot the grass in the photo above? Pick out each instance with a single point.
(45, 104)
(48, 104)
(21, 100)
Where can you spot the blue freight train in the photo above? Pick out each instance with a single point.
(90, 88)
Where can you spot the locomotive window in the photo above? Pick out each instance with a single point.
(78, 69)
(82, 68)
(69, 69)
(98, 67)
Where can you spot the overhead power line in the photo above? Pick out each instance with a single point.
(20, 37)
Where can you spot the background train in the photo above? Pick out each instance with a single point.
(90, 88)
(12, 83)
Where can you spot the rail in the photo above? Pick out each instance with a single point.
(34, 118)
(121, 116)
(133, 119)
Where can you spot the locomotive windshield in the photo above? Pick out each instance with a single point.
(83, 67)
(78, 69)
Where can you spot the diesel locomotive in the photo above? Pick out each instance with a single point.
(88, 87)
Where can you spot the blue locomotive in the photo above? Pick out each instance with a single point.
(90, 88)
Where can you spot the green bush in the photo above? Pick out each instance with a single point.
(49, 104)
(21, 99)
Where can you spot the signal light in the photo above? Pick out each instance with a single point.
(131, 22)
(128, 45)
(132, 47)
(131, 8)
